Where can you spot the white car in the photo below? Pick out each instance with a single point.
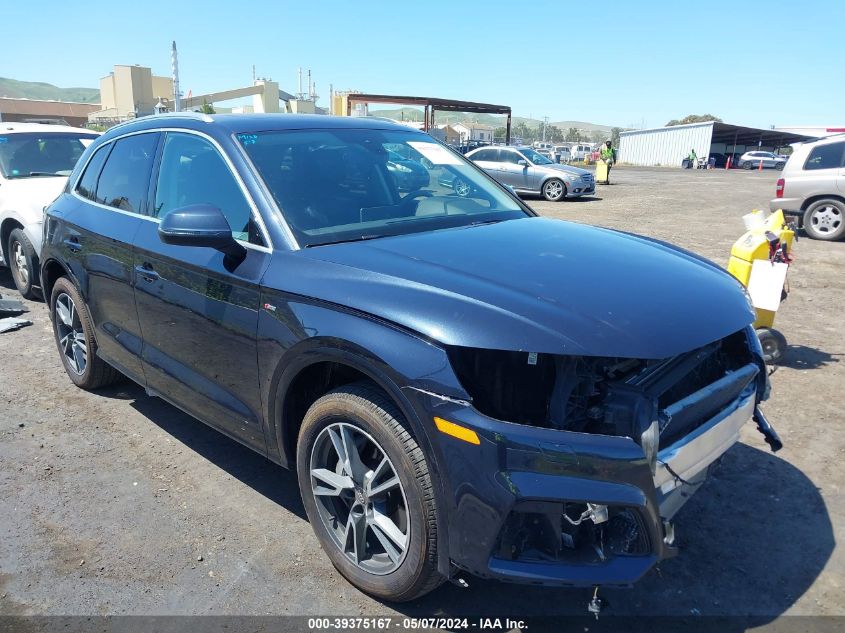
(35, 161)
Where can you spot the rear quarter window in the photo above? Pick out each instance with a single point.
(826, 157)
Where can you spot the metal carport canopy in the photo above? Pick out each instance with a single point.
(740, 135)
(430, 104)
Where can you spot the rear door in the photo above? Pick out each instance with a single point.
(488, 160)
(197, 309)
(98, 223)
(824, 169)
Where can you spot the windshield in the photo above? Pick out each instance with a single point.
(29, 155)
(536, 157)
(339, 185)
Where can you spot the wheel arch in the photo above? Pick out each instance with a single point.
(8, 225)
(811, 200)
(51, 271)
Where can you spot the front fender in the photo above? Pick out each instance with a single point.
(295, 333)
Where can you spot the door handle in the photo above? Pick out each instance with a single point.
(146, 271)
(73, 244)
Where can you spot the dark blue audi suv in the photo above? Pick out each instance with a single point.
(462, 387)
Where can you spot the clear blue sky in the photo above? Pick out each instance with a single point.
(616, 63)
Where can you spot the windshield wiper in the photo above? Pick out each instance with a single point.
(38, 173)
(350, 239)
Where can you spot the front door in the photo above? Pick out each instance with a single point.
(512, 173)
(198, 310)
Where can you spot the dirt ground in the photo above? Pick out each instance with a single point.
(117, 503)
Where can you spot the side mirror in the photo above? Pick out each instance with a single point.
(199, 225)
(522, 163)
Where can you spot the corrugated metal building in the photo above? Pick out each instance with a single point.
(669, 146)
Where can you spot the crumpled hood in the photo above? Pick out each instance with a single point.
(27, 197)
(533, 284)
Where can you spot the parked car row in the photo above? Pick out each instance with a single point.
(401, 344)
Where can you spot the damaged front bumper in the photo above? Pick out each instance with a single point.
(548, 506)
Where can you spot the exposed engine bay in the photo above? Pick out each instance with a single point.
(609, 396)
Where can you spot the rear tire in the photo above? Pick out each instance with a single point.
(22, 263)
(396, 558)
(74, 334)
(825, 220)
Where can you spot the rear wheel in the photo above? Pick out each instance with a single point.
(554, 190)
(22, 262)
(368, 493)
(74, 335)
(825, 220)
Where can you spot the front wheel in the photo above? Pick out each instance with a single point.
(554, 190)
(825, 220)
(22, 262)
(368, 493)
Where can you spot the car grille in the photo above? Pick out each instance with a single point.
(587, 178)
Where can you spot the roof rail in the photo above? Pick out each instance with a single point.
(197, 116)
(190, 115)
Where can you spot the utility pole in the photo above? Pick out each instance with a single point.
(174, 64)
(545, 125)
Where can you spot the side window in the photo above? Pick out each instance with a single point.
(511, 157)
(125, 178)
(193, 172)
(488, 155)
(87, 186)
(826, 156)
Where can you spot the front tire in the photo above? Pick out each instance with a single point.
(825, 220)
(554, 190)
(74, 335)
(368, 493)
(22, 263)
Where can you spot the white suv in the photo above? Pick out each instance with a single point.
(35, 161)
(812, 188)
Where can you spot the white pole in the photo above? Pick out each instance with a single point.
(174, 63)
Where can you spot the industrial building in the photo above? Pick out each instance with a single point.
(668, 146)
(41, 111)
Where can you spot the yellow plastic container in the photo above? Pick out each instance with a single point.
(601, 172)
(755, 245)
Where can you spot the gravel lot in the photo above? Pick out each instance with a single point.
(117, 503)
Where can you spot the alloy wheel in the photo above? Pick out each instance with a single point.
(553, 189)
(71, 335)
(826, 219)
(360, 498)
(20, 267)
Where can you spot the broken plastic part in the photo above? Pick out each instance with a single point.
(669, 533)
(771, 436)
(595, 512)
(594, 606)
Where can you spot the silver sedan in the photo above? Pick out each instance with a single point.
(527, 171)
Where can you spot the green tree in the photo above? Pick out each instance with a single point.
(207, 108)
(694, 118)
(614, 135)
(573, 134)
(499, 134)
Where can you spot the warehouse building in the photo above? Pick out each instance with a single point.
(668, 146)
